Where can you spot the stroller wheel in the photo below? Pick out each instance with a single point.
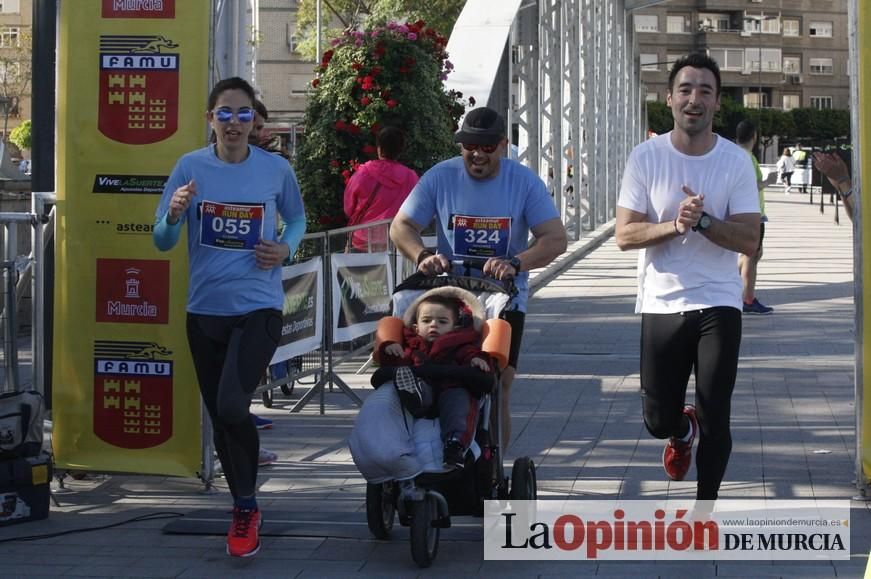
(267, 398)
(523, 481)
(380, 508)
(424, 537)
(287, 389)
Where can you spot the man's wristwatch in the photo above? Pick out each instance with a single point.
(515, 263)
(704, 223)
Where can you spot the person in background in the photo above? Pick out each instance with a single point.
(377, 189)
(230, 196)
(747, 264)
(260, 137)
(800, 157)
(833, 167)
(786, 167)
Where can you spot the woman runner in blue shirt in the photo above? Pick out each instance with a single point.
(231, 195)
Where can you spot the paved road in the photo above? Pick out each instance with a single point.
(577, 414)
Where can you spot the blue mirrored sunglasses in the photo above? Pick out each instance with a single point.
(224, 115)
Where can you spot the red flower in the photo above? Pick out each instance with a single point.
(327, 57)
(359, 80)
(334, 164)
(353, 129)
(346, 174)
(376, 70)
(391, 104)
(403, 70)
(316, 82)
(365, 101)
(376, 126)
(385, 94)
(341, 125)
(369, 150)
(356, 66)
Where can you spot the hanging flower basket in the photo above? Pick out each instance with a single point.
(390, 75)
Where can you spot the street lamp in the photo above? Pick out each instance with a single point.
(759, 20)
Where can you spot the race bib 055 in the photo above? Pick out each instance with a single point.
(231, 226)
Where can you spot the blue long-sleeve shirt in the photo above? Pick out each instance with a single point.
(236, 205)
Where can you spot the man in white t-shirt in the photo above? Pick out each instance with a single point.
(485, 206)
(689, 202)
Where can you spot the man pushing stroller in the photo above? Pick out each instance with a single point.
(443, 327)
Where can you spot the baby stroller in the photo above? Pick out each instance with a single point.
(400, 456)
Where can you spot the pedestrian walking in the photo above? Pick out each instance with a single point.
(745, 135)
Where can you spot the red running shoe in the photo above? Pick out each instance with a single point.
(243, 539)
(678, 454)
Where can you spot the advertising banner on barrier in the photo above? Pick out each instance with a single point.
(132, 89)
(362, 284)
(303, 313)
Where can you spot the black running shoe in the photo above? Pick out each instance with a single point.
(455, 455)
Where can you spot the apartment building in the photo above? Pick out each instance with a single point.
(15, 68)
(282, 76)
(772, 53)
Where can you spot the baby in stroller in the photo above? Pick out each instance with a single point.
(443, 326)
(457, 363)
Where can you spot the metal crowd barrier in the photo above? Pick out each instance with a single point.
(321, 364)
(18, 271)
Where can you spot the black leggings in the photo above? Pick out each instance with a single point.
(671, 346)
(230, 355)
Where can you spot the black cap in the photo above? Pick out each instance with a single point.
(482, 126)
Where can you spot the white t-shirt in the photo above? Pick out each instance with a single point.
(786, 164)
(689, 272)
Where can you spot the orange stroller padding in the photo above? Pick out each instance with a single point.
(389, 329)
(497, 340)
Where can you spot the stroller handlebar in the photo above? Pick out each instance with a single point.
(477, 264)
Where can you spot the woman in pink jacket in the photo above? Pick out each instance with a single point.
(377, 189)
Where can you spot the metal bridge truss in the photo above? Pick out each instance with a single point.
(576, 102)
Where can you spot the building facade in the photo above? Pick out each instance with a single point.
(283, 77)
(15, 62)
(782, 54)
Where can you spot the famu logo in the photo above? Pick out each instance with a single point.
(130, 184)
(138, 88)
(138, 8)
(132, 393)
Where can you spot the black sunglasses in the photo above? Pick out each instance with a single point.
(484, 148)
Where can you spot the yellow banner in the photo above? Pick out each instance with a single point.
(864, 147)
(132, 88)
